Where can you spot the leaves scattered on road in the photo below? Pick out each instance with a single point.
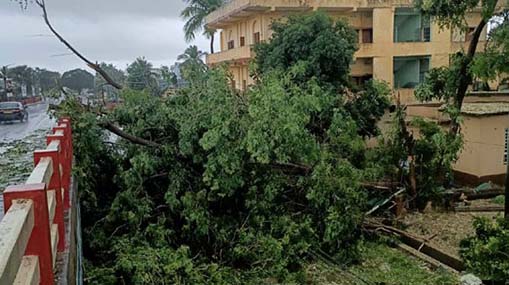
(16, 158)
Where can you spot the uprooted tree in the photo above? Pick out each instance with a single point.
(211, 186)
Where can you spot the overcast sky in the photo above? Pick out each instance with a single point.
(114, 31)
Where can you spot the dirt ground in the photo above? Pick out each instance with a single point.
(446, 229)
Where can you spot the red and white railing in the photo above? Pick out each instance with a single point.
(32, 231)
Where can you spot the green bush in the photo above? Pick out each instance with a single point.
(487, 252)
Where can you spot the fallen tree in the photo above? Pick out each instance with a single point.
(211, 186)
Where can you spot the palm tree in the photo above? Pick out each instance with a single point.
(192, 55)
(140, 76)
(192, 63)
(195, 14)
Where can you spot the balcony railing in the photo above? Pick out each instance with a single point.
(239, 7)
(240, 53)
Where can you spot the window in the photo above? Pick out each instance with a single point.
(360, 81)
(242, 41)
(234, 84)
(244, 85)
(256, 38)
(411, 26)
(231, 44)
(367, 36)
(410, 71)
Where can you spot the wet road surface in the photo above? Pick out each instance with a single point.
(38, 119)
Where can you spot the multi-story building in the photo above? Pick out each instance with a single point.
(396, 43)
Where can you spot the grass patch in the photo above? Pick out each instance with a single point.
(382, 264)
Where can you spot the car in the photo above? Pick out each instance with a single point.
(11, 111)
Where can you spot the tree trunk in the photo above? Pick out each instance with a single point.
(212, 43)
(466, 79)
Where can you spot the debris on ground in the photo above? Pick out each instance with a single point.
(445, 230)
(470, 279)
(381, 264)
(17, 161)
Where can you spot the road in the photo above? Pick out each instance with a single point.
(37, 119)
(11, 132)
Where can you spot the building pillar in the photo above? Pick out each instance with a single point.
(383, 26)
(383, 69)
(383, 38)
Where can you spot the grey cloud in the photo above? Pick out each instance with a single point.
(115, 31)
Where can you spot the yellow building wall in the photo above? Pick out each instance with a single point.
(483, 150)
(381, 52)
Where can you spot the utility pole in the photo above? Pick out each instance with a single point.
(4, 75)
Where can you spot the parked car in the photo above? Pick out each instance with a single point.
(10, 111)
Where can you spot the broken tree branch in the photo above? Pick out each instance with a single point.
(134, 139)
(94, 66)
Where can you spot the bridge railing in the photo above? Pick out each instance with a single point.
(32, 230)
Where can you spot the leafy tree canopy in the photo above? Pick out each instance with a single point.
(485, 253)
(192, 63)
(316, 45)
(168, 76)
(451, 83)
(140, 76)
(234, 188)
(48, 80)
(494, 61)
(102, 86)
(78, 79)
(316, 48)
(240, 190)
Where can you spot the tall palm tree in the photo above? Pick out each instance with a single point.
(192, 63)
(192, 55)
(140, 76)
(195, 14)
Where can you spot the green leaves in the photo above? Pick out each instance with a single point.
(449, 13)
(322, 48)
(486, 253)
(244, 185)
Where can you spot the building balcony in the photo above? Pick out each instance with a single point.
(237, 10)
(240, 55)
